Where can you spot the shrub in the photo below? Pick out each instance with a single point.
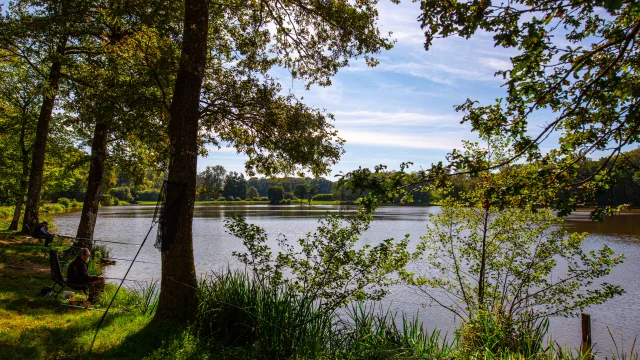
(116, 201)
(263, 198)
(64, 202)
(238, 199)
(6, 211)
(276, 194)
(121, 193)
(230, 198)
(323, 197)
(221, 198)
(252, 193)
(288, 196)
(148, 195)
(106, 200)
(75, 203)
(52, 208)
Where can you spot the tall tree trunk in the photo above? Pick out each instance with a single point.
(20, 196)
(16, 212)
(24, 176)
(40, 144)
(178, 289)
(94, 184)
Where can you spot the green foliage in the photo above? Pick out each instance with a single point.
(75, 204)
(321, 184)
(52, 208)
(276, 194)
(210, 182)
(106, 200)
(64, 202)
(371, 332)
(235, 186)
(237, 309)
(6, 211)
(121, 193)
(323, 197)
(141, 299)
(572, 61)
(324, 267)
(495, 266)
(221, 198)
(300, 191)
(252, 193)
(493, 335)
(148, 195)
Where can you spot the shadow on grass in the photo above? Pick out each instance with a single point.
(67, 339)
(156, 340)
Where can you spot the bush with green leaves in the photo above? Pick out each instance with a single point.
(121, 193)
(75, 204)
(148, 195)
(221, 198)
(106, 200)
(325, 266)
(275, 194)
(323, 197)
(64, 202)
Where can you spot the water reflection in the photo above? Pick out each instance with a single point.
(214, 247)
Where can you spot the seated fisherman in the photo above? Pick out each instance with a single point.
(78, 274)
(41, 232)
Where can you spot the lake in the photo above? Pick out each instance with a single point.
(214, 247)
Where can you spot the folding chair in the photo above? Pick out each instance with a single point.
(58, 280)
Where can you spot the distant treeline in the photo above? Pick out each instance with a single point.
(215, 183)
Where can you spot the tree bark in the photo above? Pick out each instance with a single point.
(40, 145)
(24, 176)
(179, 283)
(94, 184)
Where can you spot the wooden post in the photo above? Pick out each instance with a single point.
(586, 334)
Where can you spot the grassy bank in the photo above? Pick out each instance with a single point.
(33, 327)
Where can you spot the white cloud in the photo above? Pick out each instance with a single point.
(393, 119)
(496, 64)
(434, 141)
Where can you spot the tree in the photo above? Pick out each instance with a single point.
(235, 185)
(210, 182)
(276, 194)
(300, 191)
(178, 294)
(311, 192)
(242, 104)
(117, 93)
(501, 261)
(587, 79)
(252, 193)
(20, 100)
(44, 37)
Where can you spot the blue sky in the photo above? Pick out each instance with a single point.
(403, 109)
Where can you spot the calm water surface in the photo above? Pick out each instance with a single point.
(214, 247)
